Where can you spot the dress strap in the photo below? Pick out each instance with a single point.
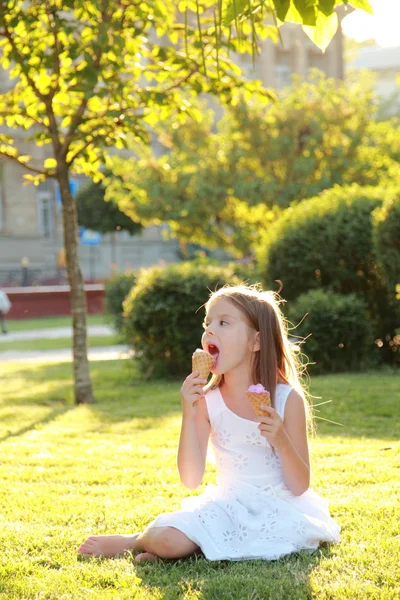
(282, 392)
(215, 404)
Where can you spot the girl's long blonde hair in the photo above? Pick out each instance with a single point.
(277, 361)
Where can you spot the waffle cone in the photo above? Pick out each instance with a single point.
(256, 400)
(202, 361)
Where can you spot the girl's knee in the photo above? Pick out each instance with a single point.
(171, 543)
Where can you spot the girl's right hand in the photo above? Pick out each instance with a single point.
(191, 392)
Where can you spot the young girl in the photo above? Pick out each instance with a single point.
(262, 506)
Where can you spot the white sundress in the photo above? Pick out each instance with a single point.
(250, 513)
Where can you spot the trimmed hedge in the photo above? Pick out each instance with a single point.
(322, 242)
(387, 236)
(327, 242)
(116, 290)
(341, 334)
(162, 317)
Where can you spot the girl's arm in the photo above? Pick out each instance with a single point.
(289, 438)
(293, 452)
(195, 431)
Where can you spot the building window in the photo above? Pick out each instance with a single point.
(317, 60)
(45, 195)
(283, 76)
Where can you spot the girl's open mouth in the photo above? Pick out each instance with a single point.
(214, 351)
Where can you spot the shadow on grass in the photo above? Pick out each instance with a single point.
(359, 404)
(284, 579)
(56, 412)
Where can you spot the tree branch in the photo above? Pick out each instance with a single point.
(78, 115)
(5, 113)
(28, 166)
(181, 81)
(56, 51)
(78, 152)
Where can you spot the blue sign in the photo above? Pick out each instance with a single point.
(73, 186)
(89, 237)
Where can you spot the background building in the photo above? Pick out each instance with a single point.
(384, 63)
(31, 235)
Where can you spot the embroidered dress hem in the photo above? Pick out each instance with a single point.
(243, 522)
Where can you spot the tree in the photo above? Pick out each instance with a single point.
(98, 214)
(89, 74)
(223, 187)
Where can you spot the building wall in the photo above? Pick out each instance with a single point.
(297, 54)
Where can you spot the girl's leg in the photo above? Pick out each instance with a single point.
(162, 542)
(107, 545)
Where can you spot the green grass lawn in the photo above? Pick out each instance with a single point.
(69, 471)
(51, 322)
(94, 341)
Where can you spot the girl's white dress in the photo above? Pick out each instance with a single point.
(250, 513)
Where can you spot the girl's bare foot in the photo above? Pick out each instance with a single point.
(107, 545)
(145, 556)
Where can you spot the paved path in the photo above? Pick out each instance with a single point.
(53, 334)
(65, 355)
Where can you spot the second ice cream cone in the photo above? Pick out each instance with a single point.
(257, 399)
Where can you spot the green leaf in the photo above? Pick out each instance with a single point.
(364, 5)
(306, 8)
(50, 163)
(326, 6)
(281, 8)
(234, 8)
(324, 30)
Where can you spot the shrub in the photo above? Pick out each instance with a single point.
(247, 271)
(387, 246)
(341, 334)
(386, 220)
(116, 290)
(163, 321)
(325, 241)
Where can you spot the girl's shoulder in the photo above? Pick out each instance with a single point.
(281, 395)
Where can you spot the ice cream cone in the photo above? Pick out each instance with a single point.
(257, 399)
(202, 361)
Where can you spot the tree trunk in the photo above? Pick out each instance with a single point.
(82, 382)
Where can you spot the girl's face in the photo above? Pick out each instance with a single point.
(227, 336)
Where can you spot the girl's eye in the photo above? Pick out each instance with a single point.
(205, 325)
(223, 322)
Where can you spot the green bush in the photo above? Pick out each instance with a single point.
(247, 271)
(341, 337)
(116, 290)
(163, 321)
(387, 246)
(326, 242)
(387, 236)
(322, 242)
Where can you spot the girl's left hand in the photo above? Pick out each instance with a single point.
(271, 427)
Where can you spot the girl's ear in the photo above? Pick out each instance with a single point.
(256, 345)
